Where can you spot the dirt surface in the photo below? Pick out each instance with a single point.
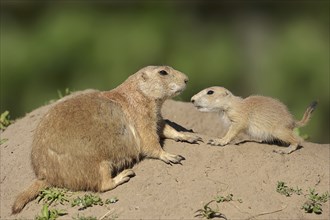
(250, 171)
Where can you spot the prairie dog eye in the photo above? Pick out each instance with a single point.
(163, 72)
(210, 92)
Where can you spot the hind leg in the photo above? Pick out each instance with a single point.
(288, 136)
(107, 182)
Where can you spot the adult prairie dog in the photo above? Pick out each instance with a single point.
(262, 118)
(89, 141)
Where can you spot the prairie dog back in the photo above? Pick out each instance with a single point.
(262, 118)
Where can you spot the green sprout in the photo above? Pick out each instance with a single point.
(87, 201)
(49, 214)
(50, 195)
(5, 120)
(283, 189)
(208, 212)
(314, 202)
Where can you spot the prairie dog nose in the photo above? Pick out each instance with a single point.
(192, 100)
(186, 80)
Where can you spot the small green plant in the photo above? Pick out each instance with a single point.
(208, 212)
(50, 195)
(87, 201)
(2, 141)
(283, 189)
(314, 202)
(227, 198)
(67, 91)
(60, 95)
(49, 214)
(111, 200)
(5, 120)
(297, 131)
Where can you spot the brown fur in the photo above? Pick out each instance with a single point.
(262, 118)
(84, 140)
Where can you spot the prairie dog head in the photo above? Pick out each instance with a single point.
(212, 99)
(161, 82)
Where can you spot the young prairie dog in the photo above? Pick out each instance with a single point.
(262, 118)
(84, 140)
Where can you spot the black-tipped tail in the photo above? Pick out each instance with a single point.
(307, 114)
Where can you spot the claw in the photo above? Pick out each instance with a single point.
(217, 142)
(171, 159)
(181, 157)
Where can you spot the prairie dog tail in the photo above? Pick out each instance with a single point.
(307, 115)
(28, 195)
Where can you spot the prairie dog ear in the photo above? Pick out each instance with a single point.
(144, 76)
(228, 93)
(224, 93)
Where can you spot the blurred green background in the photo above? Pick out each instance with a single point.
(273, 49)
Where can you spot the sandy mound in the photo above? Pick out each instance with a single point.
(249, 171)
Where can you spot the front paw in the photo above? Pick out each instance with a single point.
(190, 138)
(124, 176)
(171, 158)
(217, 142)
